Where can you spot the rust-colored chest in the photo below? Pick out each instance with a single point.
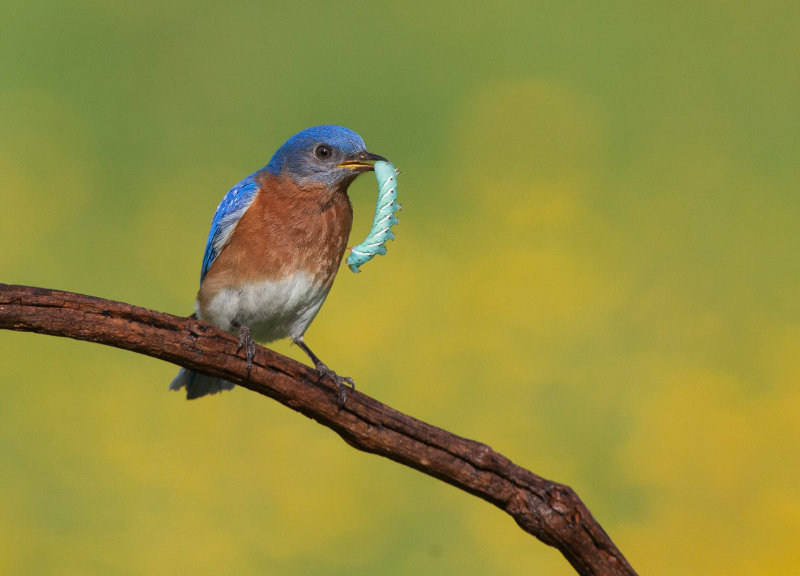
(287, 229)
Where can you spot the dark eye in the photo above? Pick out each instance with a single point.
(322, 152)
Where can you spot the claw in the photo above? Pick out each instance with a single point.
(246, 341)
(342, 382)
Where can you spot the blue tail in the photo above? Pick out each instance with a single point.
(199, 384)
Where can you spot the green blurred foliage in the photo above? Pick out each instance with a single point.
(596, 272)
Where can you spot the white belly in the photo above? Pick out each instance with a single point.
(272, 309)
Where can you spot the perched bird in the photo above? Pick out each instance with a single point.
(275, 245)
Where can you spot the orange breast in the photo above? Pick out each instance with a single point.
(287, 229)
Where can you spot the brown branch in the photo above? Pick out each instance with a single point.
(552, 512)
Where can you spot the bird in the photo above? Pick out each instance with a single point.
(276, 242)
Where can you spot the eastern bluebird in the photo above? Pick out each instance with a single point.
(275, 245)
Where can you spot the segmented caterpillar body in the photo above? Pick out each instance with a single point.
(381, 230)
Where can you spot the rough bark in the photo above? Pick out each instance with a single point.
(551, 512)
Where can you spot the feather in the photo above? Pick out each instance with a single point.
(229, 212)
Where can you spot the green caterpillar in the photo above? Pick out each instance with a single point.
(381, 230)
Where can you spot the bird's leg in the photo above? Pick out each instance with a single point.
(246, 341)
(342, 382)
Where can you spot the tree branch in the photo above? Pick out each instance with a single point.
(551, 512)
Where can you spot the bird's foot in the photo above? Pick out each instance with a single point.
(246, 341)
(343, 383)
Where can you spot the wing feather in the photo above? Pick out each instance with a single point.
(229, 212)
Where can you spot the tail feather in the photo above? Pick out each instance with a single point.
(198, 385)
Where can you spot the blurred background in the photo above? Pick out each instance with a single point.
(595, 272)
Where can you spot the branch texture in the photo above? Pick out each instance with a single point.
(551, 512)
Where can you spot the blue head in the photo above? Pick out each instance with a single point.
(328, 155)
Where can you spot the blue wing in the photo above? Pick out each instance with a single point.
(230, 210)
